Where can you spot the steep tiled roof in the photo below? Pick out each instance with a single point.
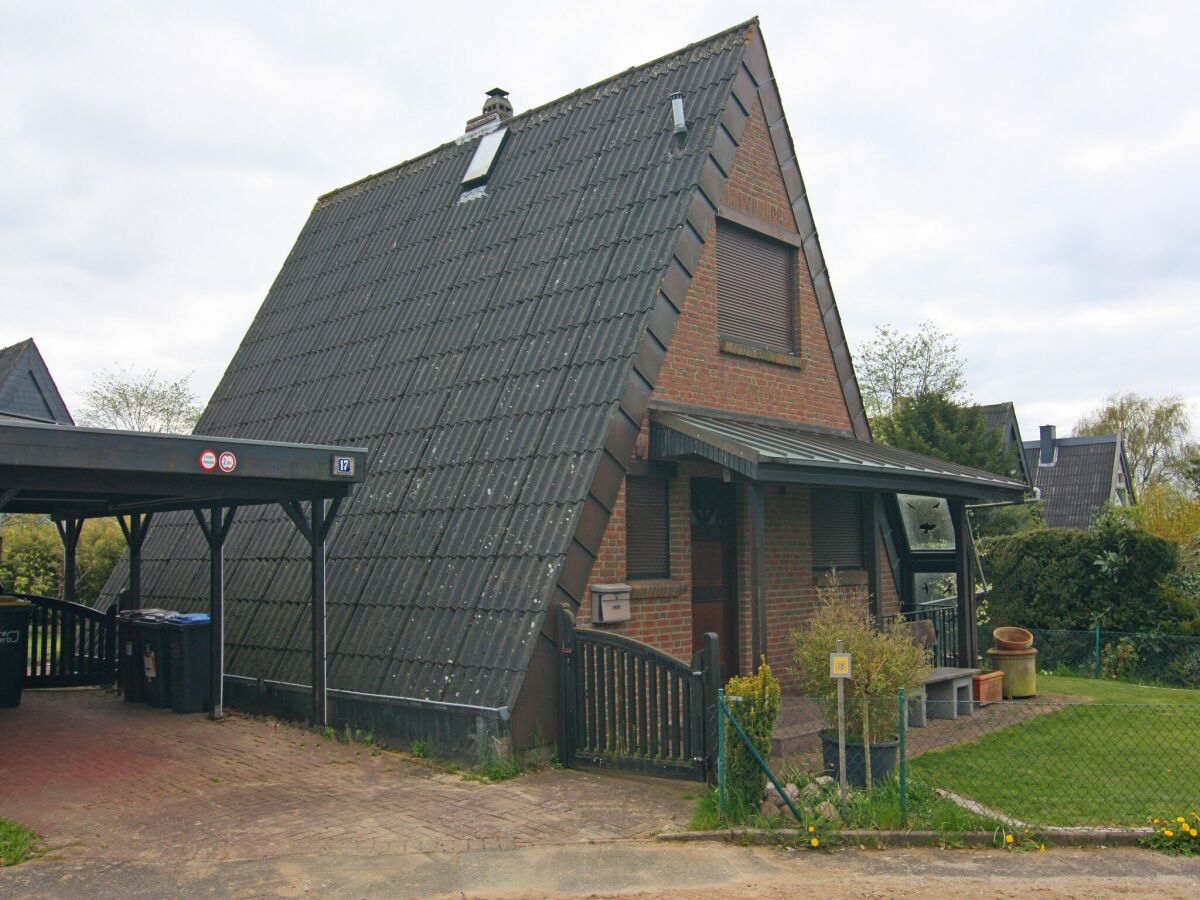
(26, 388)
(481, 350)
(1080, 480)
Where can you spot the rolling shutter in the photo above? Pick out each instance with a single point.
(837, 530)
(755, 303)
(647, 542)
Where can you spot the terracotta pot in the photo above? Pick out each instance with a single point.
(987, 687)
(1010, 638)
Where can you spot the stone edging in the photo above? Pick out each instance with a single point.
(760, 836)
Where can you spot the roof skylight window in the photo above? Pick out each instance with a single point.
(484, 158)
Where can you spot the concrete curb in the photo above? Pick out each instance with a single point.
(768, 836)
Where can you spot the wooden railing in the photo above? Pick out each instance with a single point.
(70, 644)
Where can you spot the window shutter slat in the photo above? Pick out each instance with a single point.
(755, 303)
(837, 530)
(647, 543)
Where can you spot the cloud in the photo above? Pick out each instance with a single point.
(1026, 175)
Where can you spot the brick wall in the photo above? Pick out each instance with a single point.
(698, 372)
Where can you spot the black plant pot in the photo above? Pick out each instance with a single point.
(883, 759)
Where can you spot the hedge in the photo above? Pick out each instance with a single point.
(1071, 579)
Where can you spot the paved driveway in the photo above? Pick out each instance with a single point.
(101, 778)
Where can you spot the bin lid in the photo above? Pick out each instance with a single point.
(133, 615)
(189, 619)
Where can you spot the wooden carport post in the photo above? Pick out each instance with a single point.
(135, 536)
(315, 529)
(69, 530)
(215, 530)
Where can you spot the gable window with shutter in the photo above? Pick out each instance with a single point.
(756, 304)
(647, 536)
(837, 530)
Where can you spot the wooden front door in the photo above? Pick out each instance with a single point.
(714, 567)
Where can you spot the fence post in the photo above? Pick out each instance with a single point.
(710, 666)
(110, 643)
(566, 687)
(903, 765)
(1097, 675)
(721, 751)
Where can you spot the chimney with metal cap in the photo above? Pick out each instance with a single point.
(1046, 455)
(495, 109)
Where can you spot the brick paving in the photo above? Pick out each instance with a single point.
(99, 777)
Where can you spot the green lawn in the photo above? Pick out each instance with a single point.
(17, 843)
(1115, 691)
(1105, 762)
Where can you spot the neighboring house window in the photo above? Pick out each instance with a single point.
(755, 295)
(647, 544)
(837, 530)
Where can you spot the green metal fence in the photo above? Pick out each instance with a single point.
(1166, 659)
(1034, 764)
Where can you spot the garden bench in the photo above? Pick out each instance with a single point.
(945, 693)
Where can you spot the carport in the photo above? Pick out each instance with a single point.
(73, 474)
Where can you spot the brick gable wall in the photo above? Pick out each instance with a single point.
(698, 372)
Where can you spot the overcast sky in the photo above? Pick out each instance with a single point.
(1027, 175)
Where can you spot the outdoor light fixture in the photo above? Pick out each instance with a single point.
(610, 603)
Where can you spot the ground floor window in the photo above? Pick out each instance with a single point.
(647, 532)
(837, 530)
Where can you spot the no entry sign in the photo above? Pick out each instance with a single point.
(208, 460)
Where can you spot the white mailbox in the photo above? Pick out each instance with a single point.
(610, 603)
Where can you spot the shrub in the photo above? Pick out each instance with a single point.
(1071, 579)
(1119, 660)
(882, 661)
(756, 710)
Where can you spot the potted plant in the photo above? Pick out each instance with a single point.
(883, 661)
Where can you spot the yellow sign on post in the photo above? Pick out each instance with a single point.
(839, 665)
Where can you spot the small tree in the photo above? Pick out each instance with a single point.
(883, 661)
(896, 365)
(756, 708)
(1155, 429)
(32, 555)
(140, 401)
(933, 424)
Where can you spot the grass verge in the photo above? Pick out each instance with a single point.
(18, 843)
(878, 810)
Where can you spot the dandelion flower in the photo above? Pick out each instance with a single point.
(815, 842)
(811, 829)
(1156, 822)
(1008, 839)
(1181, 820)
(1041, 848)
(1168, 832)
(1195, 832)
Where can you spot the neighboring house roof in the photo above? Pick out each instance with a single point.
(1004, 417)
(482, 350)
(26, 388)
(1085, 474)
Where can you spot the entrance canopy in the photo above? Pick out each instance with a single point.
(73, 474)
(763, 451)
(768, 452)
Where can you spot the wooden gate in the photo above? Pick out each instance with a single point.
(70, 644)
(625, 705)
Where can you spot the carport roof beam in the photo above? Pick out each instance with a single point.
(65, 471)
